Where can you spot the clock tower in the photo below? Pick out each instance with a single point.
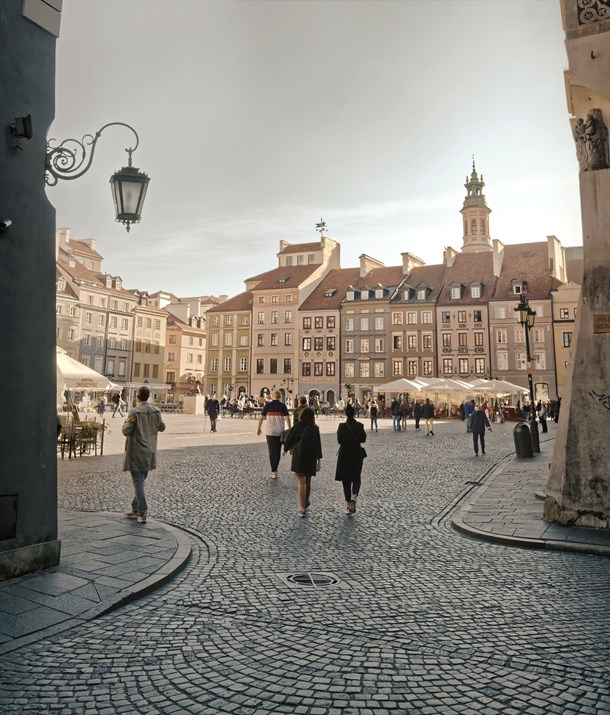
(475, 213)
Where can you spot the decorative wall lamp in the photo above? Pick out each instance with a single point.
(69, 160)
(526, 318)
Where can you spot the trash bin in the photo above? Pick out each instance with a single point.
(523, 440)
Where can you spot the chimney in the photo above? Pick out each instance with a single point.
(449, 255)
(498, 256)
(409, 262)
(367, 264)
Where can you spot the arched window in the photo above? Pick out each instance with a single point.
(465, 227)
(473, 226)
(483, 226)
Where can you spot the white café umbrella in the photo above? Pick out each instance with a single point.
(448, 385)
(74, 375)
(401, 385)
(497, 387)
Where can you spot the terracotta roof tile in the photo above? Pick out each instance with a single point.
(526, 262)
(301, 247)
(469, 268)
(337, 281)
(295, 275)
(242, 301)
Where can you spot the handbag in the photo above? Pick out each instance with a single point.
(363, 453)
(284, 435)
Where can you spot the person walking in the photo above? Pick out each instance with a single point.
(275, 415)
(427, 413)
(542, 415)
(468, 410)
(350, 435)
(303, 440)
(101, 406)
(373, 410)
(116, 400)
(417, 413)
(141, 428)
(479, 422)
(396, 414)
(212, 408)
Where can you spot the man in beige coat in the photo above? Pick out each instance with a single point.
(141, 427)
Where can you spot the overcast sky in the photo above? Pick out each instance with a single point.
(257, 118)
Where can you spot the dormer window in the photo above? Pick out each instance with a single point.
(283, 280)
(405, 295)
(330, 293)
(421, 294)
(349, 295)
(379, 293)
(475, 291)
(456, 292)
(300, 260)
(61, 285)
(517, 289)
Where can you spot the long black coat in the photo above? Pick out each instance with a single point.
(303, 440)
(350, 435)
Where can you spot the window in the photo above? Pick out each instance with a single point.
(274, 317)
(426, 316)
(89, 318)
(379, 323)
(350, 295)
(330, 369)
(99, 341)
(149, 322)
(306, 344)
(426, 341)
(473, 226)
(463, 366)
(445, 316)
(397, 341)
(288, 316)
(306, 369)
(396, 318)
(228, 339)
(349, 324)
(124, 324)
(114, 321)
(226, 365)
(349, 369)
(364, 323)
(517, 289)
(260, 366)
(170, 377)
(540, 361)
(412, 367)
(427, 367)
(397, 368)
(58, 333)
(349, 345)
(379, 369)
(214, 340)
(289, 298)
(261, 299)
(311, 258)
(475, 291)
(500, 312)
(260, 340)
(477, 316)
(123, 344)
(482, 222)
(564, 313)
(306, 323)
(274, 340)
(275, 298)
(273, 366)
(330, 322)
(58, 309)
(71, 334)
(566, 339)
(479, 366)
(502, 361)
(379, 345)
(288, 339)
(318, 369)
(519, 335)
(136, 369)
(447, 366)
(421, 294)
(501, 335)
(243, 364)
(171, 356)
(538, 334)
(365, 345)
(331, 343)
(73, 310)
(157, 324)
(155, 371)
(86, 359)
(462, 340)
(461, 316)
(261, 317)
(213, 364)
(216, 320)
(318, 322)
(243, 341)
(288, 260)
(199, 359)
(287, 366)
(318, 344)
(365, 369)
(139, 321)
(244, 320)
(228, 320)
(412, 341)
(456, 292)
(446, 340)
(478, 339)
(300, 262)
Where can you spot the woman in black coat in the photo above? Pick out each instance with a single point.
(350, 435)
(303, 440)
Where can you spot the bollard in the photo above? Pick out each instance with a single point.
(535, 435)
(523, 441)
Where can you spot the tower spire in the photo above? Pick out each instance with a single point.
(475, 214)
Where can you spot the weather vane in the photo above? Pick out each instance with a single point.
(321, 227)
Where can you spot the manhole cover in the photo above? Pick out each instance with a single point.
(315, 580)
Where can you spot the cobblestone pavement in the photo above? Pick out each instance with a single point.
(420, 619)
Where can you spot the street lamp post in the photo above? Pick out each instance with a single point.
(526, 318)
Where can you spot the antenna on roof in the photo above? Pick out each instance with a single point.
(321, 227)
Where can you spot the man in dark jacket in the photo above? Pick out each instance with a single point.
(427, 412)
(479, 422)
(395, 409)
(417, 413)
(212, 408)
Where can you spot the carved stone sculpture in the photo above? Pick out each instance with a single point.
(591, 139)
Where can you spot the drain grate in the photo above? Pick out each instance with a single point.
(311, 579)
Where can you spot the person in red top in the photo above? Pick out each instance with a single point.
(274, 414)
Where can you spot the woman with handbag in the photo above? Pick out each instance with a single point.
(303, 440)
(350, 435)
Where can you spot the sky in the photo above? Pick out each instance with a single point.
(256, 119)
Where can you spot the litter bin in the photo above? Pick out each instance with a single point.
(523, 440)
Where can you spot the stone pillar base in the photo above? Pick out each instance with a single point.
(571, 516)
(27, 559)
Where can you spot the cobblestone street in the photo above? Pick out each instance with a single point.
(413, 617)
